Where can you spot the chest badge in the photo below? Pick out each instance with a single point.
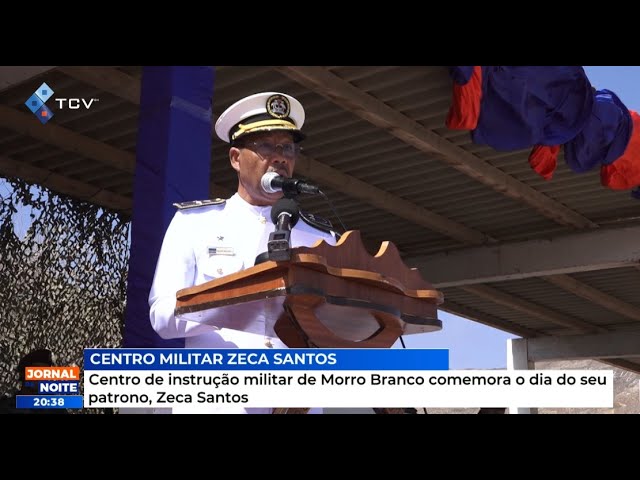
(221, 251)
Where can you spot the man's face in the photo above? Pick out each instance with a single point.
(257, 154)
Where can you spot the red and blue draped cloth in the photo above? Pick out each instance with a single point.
(543, 159)
(605, 136)
(466, 96)
(526, 106)
(546, 108)
(624, 172)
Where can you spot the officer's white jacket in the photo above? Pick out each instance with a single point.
(209, 242)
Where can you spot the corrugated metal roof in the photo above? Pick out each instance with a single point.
(357, 118)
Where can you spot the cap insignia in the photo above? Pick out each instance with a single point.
(278, 106)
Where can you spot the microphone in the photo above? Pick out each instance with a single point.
(285, 213)
(272, 182)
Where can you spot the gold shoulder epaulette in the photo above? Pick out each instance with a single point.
(199, 203)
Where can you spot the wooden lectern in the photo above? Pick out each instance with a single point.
(326, 296)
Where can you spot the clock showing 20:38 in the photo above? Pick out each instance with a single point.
(48, 401)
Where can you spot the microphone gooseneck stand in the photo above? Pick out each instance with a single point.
(285, 213)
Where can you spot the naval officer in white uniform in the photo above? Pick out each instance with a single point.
(213, 238)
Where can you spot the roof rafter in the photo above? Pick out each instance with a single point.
(127, 87)
(108, 79)
(378, 113)
(68, 140)
(594, 295)
(377, 197)
(563, 254)
(532, 309)
(489, 320)
(12, 76)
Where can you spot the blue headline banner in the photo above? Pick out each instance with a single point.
(264, 359)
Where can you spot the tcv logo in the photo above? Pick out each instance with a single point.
(37, 103)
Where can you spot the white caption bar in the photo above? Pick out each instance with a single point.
(342, 389)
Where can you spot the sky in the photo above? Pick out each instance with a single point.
(477, 346)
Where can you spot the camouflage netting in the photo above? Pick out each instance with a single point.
(63, 276)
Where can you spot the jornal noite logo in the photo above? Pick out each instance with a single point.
(36, 103)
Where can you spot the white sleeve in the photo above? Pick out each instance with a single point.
(175, 270)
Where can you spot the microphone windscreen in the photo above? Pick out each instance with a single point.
(286, 205)
(265, 182)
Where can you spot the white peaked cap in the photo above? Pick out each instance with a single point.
(261, 112)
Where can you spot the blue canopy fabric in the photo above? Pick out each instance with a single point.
(605, 136)
(523, 106)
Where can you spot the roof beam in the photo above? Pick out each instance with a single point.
(396, 123)
(12, 76)
(379, 198)
(488, 320)
(113, 81)
(128, 88)
(574, 347)
(579, 252)
(541, 341)
(65, 185)
(595, 296)
(68, 140)
(532, 309)
(108, 79)
(622, 363)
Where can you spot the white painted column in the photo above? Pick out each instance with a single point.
(518, 359)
